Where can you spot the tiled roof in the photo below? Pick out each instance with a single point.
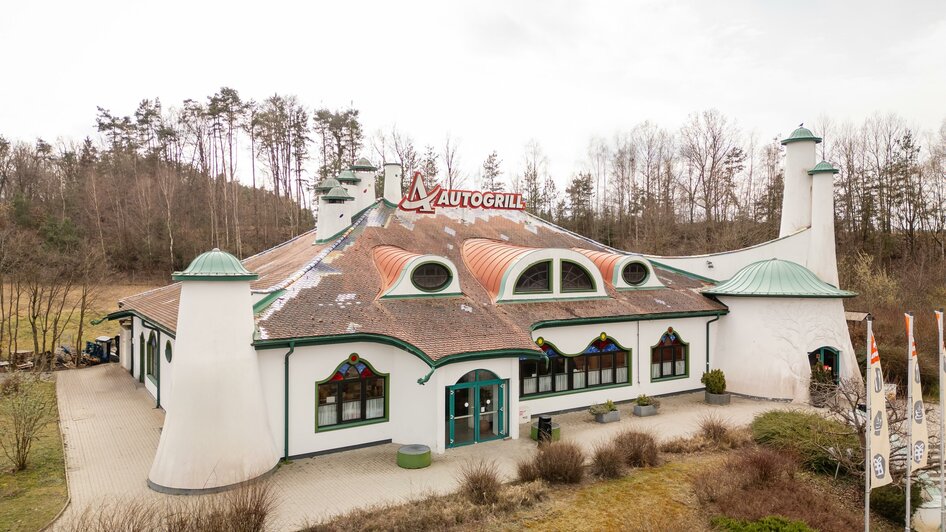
(332, 290)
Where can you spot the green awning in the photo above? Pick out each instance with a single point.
(776, 278)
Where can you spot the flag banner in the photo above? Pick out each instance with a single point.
(942, 370)
(918, 436)
(877, 429)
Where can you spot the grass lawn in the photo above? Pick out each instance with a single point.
(31, 498)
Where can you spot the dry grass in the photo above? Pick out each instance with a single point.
(479, 481)
(560, 462)
(639, 449)
(715, 434)
(607, 461)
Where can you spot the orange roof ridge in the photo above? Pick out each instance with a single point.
(489, 260)
(390, 261)
(605, 261)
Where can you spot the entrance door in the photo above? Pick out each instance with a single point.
(829, 357)
(476, 409)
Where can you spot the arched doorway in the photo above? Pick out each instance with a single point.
(827, 356)
(476, 408)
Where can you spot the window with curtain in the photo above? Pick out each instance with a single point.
(669, 357)
(151, 356)
(602, 363)
(355, 392)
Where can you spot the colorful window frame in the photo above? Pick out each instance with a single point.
(604, 363)
(354, 394)
(670, 357)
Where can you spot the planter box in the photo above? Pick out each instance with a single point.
(610, 417)
(556, 431)
(644, 411)
(718, 398)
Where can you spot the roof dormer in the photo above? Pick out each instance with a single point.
(624, 272)
(406, 274)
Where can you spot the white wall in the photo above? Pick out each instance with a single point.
(726, 264)
(763, 344)
(133, 350)
(638, 337)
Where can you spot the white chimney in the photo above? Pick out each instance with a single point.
(822, 255)
(796, 196)
(392, 183)
(334, 214)
(365, 195)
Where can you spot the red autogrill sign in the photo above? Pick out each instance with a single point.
(419, 199)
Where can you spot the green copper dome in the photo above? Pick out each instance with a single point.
(327, 184)
(776, 278)
(338, 194)
(347, 176)
(824, 167)
(800, 134)
(364, 165)
(215, 265)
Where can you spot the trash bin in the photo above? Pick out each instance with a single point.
(545, 429)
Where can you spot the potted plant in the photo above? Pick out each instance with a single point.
(645, 406)
(821, 384)
(606, 412)
(715, 382)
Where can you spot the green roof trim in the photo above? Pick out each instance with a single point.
(801, 134)
(327, 184)
(338, 193)
(364, 165)
(215, 265)
(348, 177)
(824, 167)
(776, 278)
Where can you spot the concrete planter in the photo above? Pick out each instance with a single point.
(556, 431)
(644, 411)
(610, 417)
(718, 398)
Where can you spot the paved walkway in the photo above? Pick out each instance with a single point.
(111, 431)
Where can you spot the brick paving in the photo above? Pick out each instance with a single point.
(111, 430)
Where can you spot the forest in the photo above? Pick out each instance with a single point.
(154, 187)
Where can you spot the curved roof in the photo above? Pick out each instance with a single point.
(363, 164)
(489, 259)
(824, 167)
(606, 262)
(215, 265)
(390, 261)
(776, 278)
(338, 193)
(347, 176)
(327, 184)
(800, 134)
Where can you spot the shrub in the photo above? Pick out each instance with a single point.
(479, 481)
(603, 408)
(762, 466)
(27, 408)
(890, 501)
(808, 435)
(11, 384)
(607, 461)
(714, 429)
(526, 470)
(714, 380)
(772, 523)
(560, 462)
(639, 449)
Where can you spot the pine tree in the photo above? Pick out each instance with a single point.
(491, 172)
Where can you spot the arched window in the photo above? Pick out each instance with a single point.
(431, 277)
(670, 357)
(829, 358)
(575, 278)
(151, 363)
(634, 273)
(354, 393)
(167, 351)
(602, 363)
(141, 357)
(536, 279)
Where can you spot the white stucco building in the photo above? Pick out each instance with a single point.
(446, 317)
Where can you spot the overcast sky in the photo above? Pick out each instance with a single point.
(493, 74)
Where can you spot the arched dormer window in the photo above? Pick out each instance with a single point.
(670, 358)
(354, 394)
(537, 279)
(575, 278)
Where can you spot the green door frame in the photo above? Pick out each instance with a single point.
(476, 385)
(836, 367)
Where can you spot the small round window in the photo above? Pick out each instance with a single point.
(634, 273)
(431, 277)
(167, 351)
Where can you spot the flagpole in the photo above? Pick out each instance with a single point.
(942, 418)
(910, 370)
(867, 425)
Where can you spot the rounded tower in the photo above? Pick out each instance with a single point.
(334, 213)
(822, 255)
(796, 196)
(392, 183)
(219, 434)
(365, 194)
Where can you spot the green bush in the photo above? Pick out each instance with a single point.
(603, 408)
(808, 436)
(715, 381)
(772, 523)
(646, 400)
(890, 501)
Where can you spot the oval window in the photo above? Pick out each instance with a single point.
(167, 351)
(431, 277)
(634, 273)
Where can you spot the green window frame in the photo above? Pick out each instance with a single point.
(603, 363)
(354, 394)
(629, 264)
(151, 354)
(669, 357)
(420, 270)
(529, 280)
(167, 351)
(141, 357)
(568, 271)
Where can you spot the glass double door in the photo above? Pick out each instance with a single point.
(476, 412)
